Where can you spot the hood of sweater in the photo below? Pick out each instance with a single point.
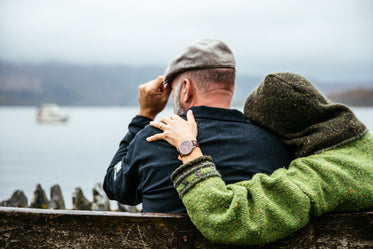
(290, 106)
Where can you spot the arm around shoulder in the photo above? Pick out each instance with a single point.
(247, 213)
(267, 208)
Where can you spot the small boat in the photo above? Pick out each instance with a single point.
(50, 113)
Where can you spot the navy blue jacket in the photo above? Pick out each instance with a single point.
(140, 171)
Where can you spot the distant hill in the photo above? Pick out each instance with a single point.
(356, 97)
(76, 85)
(97, 85)
(30, 84)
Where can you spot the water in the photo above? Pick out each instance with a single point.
(72, 154)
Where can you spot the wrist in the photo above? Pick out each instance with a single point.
(147, 114)
(188, 150)
(193, 155)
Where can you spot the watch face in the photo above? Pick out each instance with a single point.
(186, 147)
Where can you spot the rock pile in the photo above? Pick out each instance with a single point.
(80, 202)
(100, 201)
(57, 201)
(18, 199)
(40, 199)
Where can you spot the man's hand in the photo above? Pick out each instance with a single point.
(153, 97)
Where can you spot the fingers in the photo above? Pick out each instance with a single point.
(166, 120)
(190, 116)
(155, 137)
(166, 88)
(155, 85)
(176, 117)
(159, 125)
(175, 129)
(157, 82)
(158, 136)
(191, 120)
(152, 97)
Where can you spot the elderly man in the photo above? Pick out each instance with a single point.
(202, 79)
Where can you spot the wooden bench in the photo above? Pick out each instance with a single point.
(41, 228)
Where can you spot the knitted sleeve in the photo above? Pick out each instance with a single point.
(267, 208)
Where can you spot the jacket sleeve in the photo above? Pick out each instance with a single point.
(267, 208)
(121, 180)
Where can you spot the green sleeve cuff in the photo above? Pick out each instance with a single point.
(188, 175)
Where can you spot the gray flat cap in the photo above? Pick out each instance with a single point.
(204, 54)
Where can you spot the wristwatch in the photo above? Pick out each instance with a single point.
(186, 147)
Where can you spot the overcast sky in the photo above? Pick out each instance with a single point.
(330, 40)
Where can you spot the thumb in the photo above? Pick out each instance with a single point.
(158, 82)
(190, 116)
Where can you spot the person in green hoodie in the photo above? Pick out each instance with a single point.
(332, 172)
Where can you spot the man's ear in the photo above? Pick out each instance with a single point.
(188, 90)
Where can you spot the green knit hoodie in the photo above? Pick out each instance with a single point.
(336, 176)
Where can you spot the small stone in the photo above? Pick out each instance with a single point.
(40, 199)
(100, 200)
(79, 200)
(18, 199)
(57, 201)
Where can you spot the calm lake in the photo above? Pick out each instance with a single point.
(72, 154)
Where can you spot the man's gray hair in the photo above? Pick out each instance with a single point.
(203, 78)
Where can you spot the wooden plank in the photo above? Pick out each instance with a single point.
(38, 228)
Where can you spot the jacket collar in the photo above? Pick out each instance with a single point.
(207, 112)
